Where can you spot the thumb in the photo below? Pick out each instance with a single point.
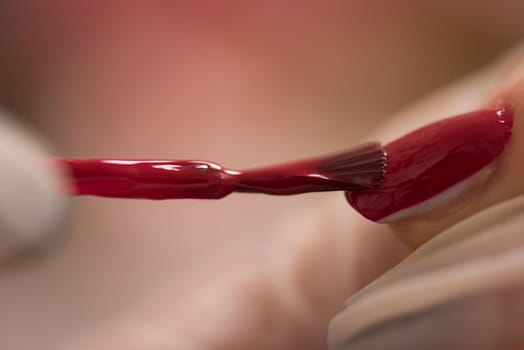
(30, 205)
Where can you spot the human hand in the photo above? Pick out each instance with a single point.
(98, 67)
(462, 289)
(283, 298)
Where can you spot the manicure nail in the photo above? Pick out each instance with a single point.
(435, 164)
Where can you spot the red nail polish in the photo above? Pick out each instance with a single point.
(356, 169)
(435, 163)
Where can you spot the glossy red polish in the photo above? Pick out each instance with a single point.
(357, 169)
(428, 162)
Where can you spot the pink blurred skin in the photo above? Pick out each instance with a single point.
(146, 70)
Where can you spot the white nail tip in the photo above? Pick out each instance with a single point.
(444, 197)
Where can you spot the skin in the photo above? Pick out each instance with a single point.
(503, 185)
(271, 280)
(462, 235)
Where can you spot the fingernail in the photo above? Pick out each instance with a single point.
(31, 207)
(435, 164)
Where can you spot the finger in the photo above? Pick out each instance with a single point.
(446, 188)
(31, 208)
(281, 300)
(460, 290)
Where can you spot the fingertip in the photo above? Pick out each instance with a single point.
(497, 177)
(501, 183)
(31, 206)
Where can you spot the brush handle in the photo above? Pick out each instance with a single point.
(358, 169)
(150, 179)
(188, 179)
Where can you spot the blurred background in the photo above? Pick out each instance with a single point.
(243, 83)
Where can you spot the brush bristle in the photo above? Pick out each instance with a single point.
(363, 167)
